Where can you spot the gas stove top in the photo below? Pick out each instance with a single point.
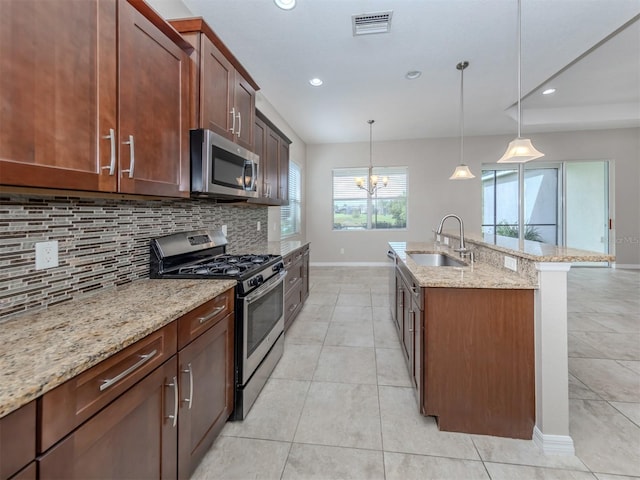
(201, 254)
(228, 265)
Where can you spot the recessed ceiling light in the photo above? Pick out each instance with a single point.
(413, 74)
(285, 4)
(549, 91)
(316, 82)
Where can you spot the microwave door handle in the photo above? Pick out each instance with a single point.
(254, 175)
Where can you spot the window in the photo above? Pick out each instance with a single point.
(500, 194)
(290, 214)
(355, 209)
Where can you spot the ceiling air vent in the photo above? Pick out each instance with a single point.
(368, 23)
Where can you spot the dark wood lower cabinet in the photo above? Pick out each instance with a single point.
(133, 437)
(296, 289)
(479, 360)
(18, 441)
(150, 420)
(206, 392)
(470, 352)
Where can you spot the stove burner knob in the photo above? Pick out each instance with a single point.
(255, 281)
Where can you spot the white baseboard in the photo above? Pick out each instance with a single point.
(350, 264)
(626, 266)
(553, 444)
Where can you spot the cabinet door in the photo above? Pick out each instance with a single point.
(271, 164)
(217, 77)
(259, 148)
(17, 439)
(245, 104)
(305, 274)
(134, 437)
(283, 173)
(418, 328)
(399, 305)
(58, 94)
(154, 109)
(206, 392)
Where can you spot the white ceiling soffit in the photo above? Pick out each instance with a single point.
(364, 76)
(369, 23)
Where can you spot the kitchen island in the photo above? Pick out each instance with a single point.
(530, 332)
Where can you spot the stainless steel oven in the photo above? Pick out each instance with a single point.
(263, 322)
(261, 333)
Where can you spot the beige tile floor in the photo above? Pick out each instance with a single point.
(339, 404)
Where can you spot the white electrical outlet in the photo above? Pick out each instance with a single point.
(258, 227)
(510, 263)
(446, 240)
(224, 230)
(46, 255)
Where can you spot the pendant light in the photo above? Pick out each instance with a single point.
(373, 185)
(462, 171)
(520, 150)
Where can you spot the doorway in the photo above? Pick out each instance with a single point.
(587, 205)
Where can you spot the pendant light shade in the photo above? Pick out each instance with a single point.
(520, 150)
(462, 171)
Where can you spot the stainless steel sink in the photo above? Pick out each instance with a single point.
(435, 260)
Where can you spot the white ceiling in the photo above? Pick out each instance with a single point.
(364, 76)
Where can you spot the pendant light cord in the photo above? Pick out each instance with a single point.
(462, 113)
(370, 144)
(519, 64)
(461, 66)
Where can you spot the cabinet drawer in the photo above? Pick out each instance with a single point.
(67, 406)
(292, 304)
(17, 440)
(199, 320)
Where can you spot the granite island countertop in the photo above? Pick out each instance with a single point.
(531, 250)
(476, 275)
(41, 350)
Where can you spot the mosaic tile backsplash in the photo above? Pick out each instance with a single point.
(101, 242)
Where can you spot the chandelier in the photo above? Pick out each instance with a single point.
(373, 185)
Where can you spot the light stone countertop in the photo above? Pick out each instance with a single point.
(536, 251)
(41, 350)
(477, 275)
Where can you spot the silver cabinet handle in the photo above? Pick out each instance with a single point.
(112, 162)
(233, 120)
(190, 372)
(143, 359)
(239, 124)
(174, 417)
(215, 312)
(413, 315)
(132, 156)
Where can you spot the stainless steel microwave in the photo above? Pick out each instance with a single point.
(220, 168)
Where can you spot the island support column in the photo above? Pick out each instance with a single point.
(551, 432)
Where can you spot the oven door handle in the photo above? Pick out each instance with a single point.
(265, 288)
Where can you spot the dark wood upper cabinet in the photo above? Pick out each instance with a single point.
(273, 148)
(153, 108)
(223, 92)
(69, 105)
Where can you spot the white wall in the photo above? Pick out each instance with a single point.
(432, 195)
